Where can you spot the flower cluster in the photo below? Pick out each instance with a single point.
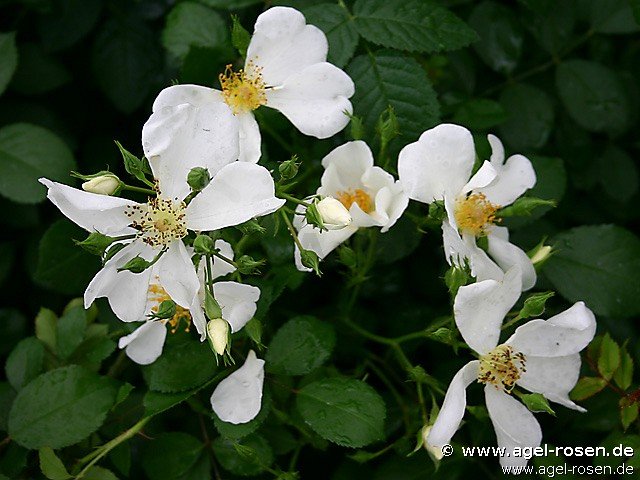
(166, 265)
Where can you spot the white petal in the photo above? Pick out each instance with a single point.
(315, 99)
(283, 44)
(514, 178)
(198, 318)
(396, 207)
(480, 308)
(322, 243)
(91, 211)
(564, 334)
(345, 167)
(440, 161)
(125, 291)
(497, 151)
(507, 255)
(514, 424)
(553, 377)
(238, 193)
(145, 344)
(220, 267)
(238, 302)
(458, 249)
(191, 126)
(455, 402)
(250, 139)
(237, 398)
(483, 177)
(177, 275)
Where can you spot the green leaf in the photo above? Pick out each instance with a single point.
(99, 473)
(25, 362)
(501, 36)
(125, 61)
(71, 327)
(46, 328)
(609, 359)
(536, 402)
(157, 402)
(51, 466)
(623, 376)
(480, 114)
(68, 22)
(300, 346)
(62, 266)
(37, 71)
(593, 95)
(600, 265)
(61, 407)
(230, 4)
(618, 174)
(181, 366)
(635, 5)
(241, 430)
(171, 455)
(341, 33)
(524, 207)
(240, 37)
(530, 113)
(628, 414)
(386, 79)
(344, 411)
(28, 152)
(613, 16)
(587, 387)
(553, 30)
(8, 58)
(411, 25)
(7, 396)
(189, 25)
(249, 457)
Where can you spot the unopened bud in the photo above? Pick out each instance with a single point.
(135, 265)
(198, 178)
(289, 168)
(166, 310)
(96, 243)
(107, 184)
(218, 335)
(204, 245)
(248, 266)
(310, 259)
(455, 278)
(334, 214)
(540, 254)
(313, 217)
(252, 226)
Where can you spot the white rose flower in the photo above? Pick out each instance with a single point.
(286, 69)
(541, 356)
(438, 167)
(371, 195)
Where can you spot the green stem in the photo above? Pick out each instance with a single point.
(226, 259)
(291, 198)
(292, 230)
(133, 188)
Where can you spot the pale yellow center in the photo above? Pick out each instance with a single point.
(475, 214)
(243, 92)
(159, 222)
(358, 196)
(159, 295)
(502, 367)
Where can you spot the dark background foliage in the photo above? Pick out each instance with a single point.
(556, 81)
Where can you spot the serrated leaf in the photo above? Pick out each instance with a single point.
(71, 328)
(62, 266)
(480, 114)
(623, 376)
(411, 25)
(51, 466)
(339, 28)
(250, 456)
(28, 152)
(190, 24)
(300, 346)
(99, 473)
(8, 59)
(25, 362)
(171, 455)
(531, 116)
(600, 265)
(61, 407)
(344, 411)
(587, 387)
(593, 95)
(501, 36)
(609, 359)
(628, 414)
(386, 79)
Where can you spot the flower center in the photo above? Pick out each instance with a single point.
(501, 367)
(159, 222)
(157, 295)
(359, 196)
(475, 214)
(242, 92)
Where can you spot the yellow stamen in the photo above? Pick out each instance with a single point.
(159, 222)
(501, 367)
(475, 214)
(241, 91)
(159, 295)
(358, 196)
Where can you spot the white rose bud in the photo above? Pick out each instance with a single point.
(103, 185)
(218, 335)
(334, 214)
